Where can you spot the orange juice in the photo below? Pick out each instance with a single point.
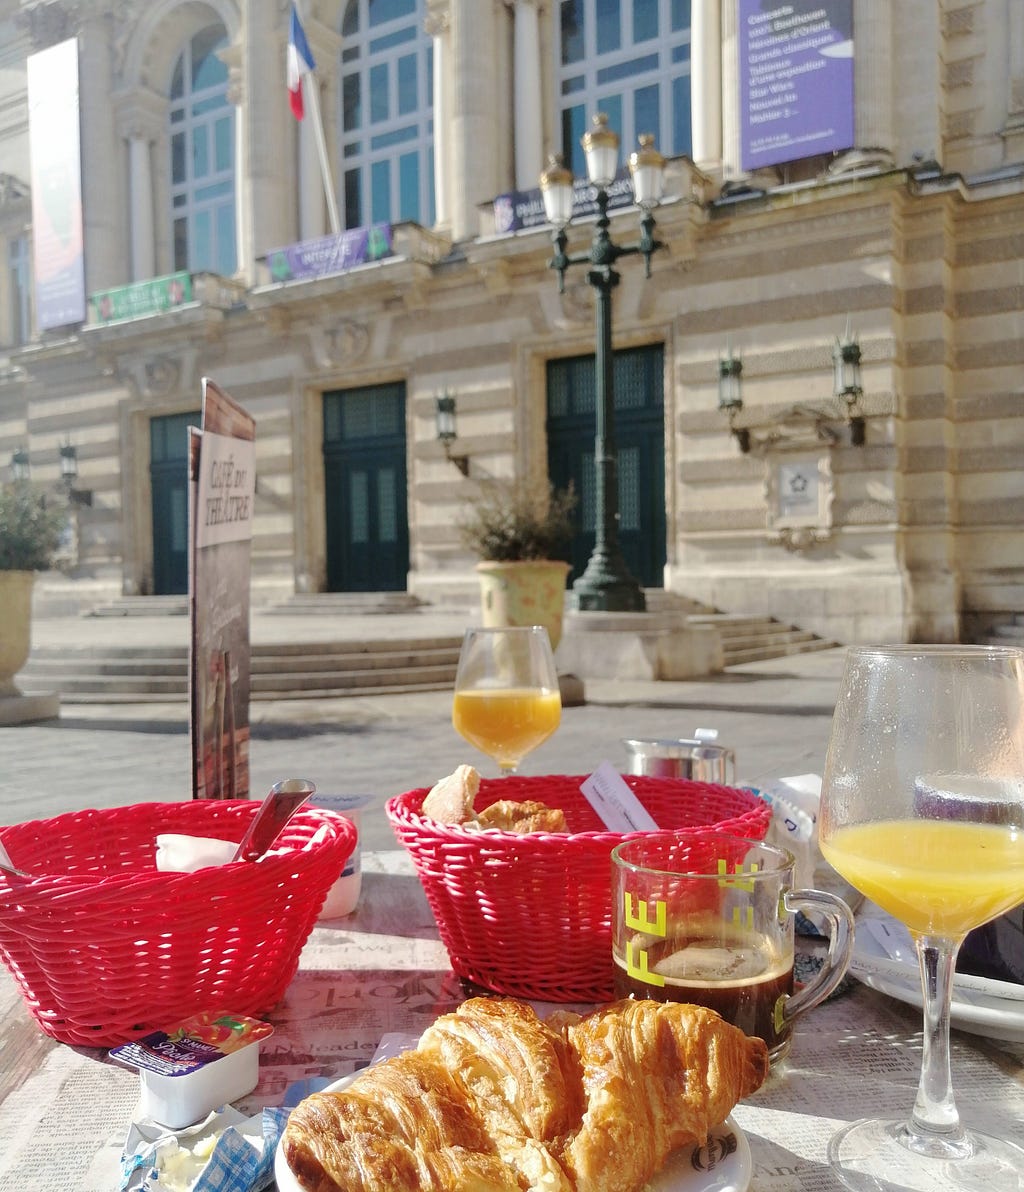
(506, 723)
(940, 877)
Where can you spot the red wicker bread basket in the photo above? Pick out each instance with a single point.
(530, 916)
(106, 948)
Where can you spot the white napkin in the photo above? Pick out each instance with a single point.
(186, 854)
(227, 1152)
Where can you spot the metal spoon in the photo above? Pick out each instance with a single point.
(275, 811)
(8, 866)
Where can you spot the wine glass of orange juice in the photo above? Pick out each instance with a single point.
(506, 692)
(922, 809)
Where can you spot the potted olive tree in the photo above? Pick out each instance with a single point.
(519, 534)
(30, 531)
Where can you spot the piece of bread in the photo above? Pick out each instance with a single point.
(450, 800)
(521, 818)
(494, 1099)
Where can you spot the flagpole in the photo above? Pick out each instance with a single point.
(312, 93)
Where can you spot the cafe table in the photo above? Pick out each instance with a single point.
(65, 1111)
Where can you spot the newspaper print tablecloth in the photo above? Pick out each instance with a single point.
(64, 1111)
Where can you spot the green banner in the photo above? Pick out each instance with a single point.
(143, 298)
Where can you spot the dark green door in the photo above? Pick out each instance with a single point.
(365, 489)
(168, 474)
(640, 439)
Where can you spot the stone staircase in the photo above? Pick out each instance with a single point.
(746, 637)
(749, 638)
(305, 670)
(417, 660)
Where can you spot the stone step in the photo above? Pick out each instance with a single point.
(753, 638)
(339, 603)
(300, 670)
(765, 653)
(142, 606)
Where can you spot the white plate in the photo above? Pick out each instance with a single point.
(724, 1165)
(884, 958)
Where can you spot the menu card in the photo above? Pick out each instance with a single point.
(222, 490)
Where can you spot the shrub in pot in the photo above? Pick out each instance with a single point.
(520, 533)
(30, 531)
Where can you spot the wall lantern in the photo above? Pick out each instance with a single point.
(69, 474)
(445, 415)
(20, 466)
(730, 396)
(847, 384)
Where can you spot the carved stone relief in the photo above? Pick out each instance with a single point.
(799, 493)
(344, 342)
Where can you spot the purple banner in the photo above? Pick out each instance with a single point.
(796, 79)
(330, 254)
(525, 208)
(55, 148)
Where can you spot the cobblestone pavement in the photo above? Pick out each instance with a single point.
(775, 714)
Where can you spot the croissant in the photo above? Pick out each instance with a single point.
(522, 818)
(493, 1098)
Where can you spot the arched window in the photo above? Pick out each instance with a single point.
(630, 59)
(203, 157)
(387, 130)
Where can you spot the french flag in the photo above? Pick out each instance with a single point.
(300, 62)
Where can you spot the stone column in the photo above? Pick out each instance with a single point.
(1015, 80)
(529, 127)
(873, 76)
(473, 152)
(438, 26)
(103, 192)
(140, 186)
(706, 82)
(141, 118)
(730, 93)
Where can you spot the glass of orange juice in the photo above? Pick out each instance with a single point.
(506, 700)
(922, 809)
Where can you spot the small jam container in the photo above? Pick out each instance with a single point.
(344, 894)
(204, 1062)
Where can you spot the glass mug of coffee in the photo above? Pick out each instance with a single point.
(708, 918)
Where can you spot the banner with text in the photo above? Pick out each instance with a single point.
(331, 254)
(56, 174)
(796, 79)
(520, 209)
(222, 491)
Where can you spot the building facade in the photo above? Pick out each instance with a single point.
(890, 513)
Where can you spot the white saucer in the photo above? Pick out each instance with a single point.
(884, 958)
(724, 1165)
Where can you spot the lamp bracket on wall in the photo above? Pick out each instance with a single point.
(69, 474)
(460, 461)
(444, 413)
(801, 426)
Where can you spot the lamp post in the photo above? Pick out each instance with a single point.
(606, 585)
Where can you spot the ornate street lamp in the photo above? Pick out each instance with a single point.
(606, 585)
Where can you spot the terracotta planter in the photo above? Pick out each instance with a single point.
(15, 626)
(527, 593)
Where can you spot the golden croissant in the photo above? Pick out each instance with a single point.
(494, 1099)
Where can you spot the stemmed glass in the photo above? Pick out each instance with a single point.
(506, 692)
(922, 809)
